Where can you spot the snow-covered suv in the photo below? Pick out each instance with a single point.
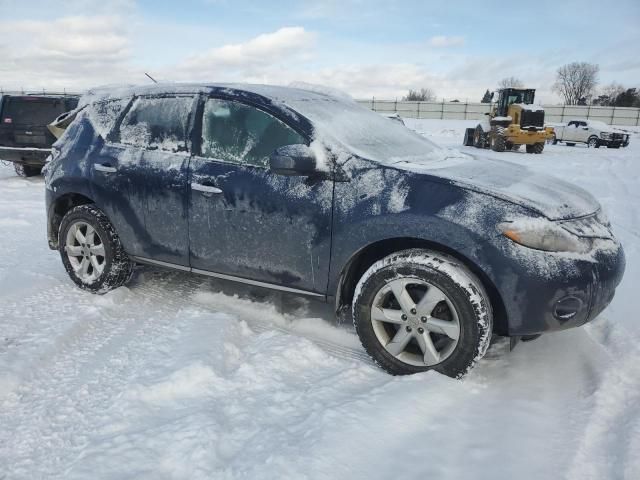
(430, 251)
(592, 132)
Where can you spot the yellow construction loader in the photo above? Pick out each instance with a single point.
(514, 120)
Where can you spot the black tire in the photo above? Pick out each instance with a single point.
(468, 137)
(535, 148)
(479, 137)
(497, 140)
(463, 290)
(593, 142)
(570, 144)
(23, 170)
(117, 269)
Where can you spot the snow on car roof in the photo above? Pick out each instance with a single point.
(341, 124)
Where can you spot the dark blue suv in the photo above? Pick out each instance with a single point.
(429, 250)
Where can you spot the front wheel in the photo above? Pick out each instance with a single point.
(91, 250)
(536, 148)
(593, 142)
(418, 310)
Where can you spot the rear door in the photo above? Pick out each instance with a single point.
(246, 221)
(141, 177)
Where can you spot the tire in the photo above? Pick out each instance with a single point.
(463, 311)
(593, 142)
(468, 137)
(570, 144)
(497, 139)
(23, 170)
(535, 148)
(108, 271)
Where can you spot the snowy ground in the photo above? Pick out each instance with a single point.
(183, 377)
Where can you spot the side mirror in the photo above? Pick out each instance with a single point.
(293, 160)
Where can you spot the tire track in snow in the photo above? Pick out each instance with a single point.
(608, 447)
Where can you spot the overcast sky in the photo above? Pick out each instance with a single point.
(381, 48)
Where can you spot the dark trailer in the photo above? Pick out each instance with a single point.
(24, 136)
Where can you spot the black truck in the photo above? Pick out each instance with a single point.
(25, 139)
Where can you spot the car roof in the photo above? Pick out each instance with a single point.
(272, 92)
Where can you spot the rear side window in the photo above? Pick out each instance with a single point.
(238, 133)
(104, 114)
(158, 123)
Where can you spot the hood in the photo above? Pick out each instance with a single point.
(549, 196)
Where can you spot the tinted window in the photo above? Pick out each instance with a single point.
(32, 110)
(157, 123)
(238, 133)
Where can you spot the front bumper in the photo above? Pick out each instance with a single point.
(550, 292)
(611, 143)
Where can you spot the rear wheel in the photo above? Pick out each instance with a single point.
(23, 170)
(593, 142)
(497, 140)
(418, 310)
(91, 250)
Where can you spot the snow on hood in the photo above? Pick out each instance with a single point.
(548, 195)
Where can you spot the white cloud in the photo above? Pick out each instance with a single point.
(68, 52)
(443, 41)
(277, 47)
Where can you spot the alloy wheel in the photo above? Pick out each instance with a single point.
(415, 321)
(85, 251)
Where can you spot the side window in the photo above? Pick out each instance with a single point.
(158, 123)
(238, 133)
(103, 114)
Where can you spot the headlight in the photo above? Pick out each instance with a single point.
(543, 234)
(605, 135)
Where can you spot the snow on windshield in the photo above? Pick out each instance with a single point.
(362, 131)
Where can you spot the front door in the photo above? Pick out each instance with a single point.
(246, 221)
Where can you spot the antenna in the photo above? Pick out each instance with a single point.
(152, 79)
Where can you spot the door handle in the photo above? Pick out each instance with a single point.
(105, 167)
(205, 188)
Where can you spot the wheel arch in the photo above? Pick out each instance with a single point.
(371, 253)
(59, 209)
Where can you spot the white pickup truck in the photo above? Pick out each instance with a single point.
(591, 132)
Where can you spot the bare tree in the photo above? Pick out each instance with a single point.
(576, 82)
(510, 82)
(422, 95)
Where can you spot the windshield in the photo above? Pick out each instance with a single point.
(363, 132)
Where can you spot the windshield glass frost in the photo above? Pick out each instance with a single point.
(365, 133)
